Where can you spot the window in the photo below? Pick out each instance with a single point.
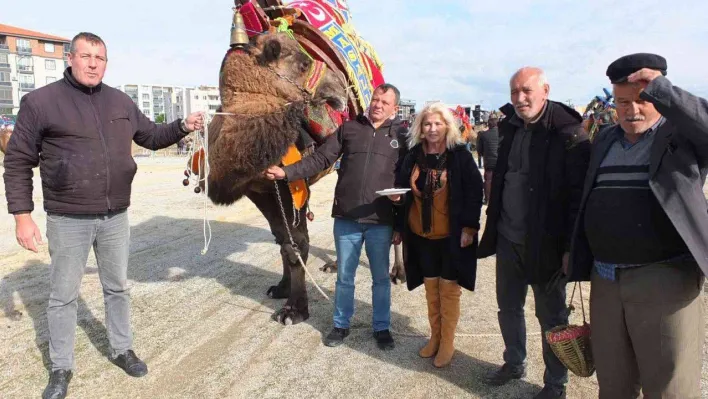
(49, 47)
(26, 81)
(205, 97)
(146, 104)
(3, 59)
(67, 48)
(50, 65)
(4, 76)
(196, 97)
(5, 94)
(146, 112)
(25, 64)
(213, 107)
(51, 79)
(23, 45)
(146, 96)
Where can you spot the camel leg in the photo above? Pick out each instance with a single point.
(292, 284)
(398, 272)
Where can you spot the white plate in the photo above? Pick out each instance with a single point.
(393, 191)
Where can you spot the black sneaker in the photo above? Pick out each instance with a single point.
(336, 336)
(130, 363)
(549, 392)
(384, 340)
(505, 374)
(58, 385)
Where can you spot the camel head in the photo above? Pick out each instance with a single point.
(274, 69)
(283, 55)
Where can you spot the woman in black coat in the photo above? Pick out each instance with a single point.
(439, 221)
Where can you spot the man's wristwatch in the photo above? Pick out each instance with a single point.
(183, 126)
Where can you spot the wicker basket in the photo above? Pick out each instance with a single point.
(571, 343)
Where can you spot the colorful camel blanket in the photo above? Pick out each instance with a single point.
(333, 19)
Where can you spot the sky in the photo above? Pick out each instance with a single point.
(456, 51)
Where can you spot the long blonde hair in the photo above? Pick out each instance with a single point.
(452, 135)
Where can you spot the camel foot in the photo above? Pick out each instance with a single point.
(289, 316)
(330, 267)
(280, 291)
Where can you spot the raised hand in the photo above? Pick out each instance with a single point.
(644, 76)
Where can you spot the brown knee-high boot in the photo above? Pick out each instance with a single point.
(432, 294)
(450, 294)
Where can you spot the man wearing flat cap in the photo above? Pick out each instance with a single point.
(641, 236)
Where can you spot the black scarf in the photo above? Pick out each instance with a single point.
(431, 182)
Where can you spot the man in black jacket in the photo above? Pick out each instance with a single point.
(370, 148)
(536, 191)
(79, 131)
(488, 148)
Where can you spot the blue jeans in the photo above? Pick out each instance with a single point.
(349, 236)
(71, 238)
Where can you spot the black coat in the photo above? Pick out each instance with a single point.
(369, 158)
(81, 139)
(465, 205)
(488, 147)
(677, 172)
(559, 156)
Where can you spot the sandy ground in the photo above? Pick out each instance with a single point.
(202, 322)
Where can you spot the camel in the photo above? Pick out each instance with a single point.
(5, 134)
(270, 108)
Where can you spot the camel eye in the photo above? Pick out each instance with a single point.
(305, 66)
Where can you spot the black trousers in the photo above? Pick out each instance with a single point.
(511, 298)
(434, 257)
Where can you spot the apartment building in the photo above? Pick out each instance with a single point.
(203, 98)
(156, 100)
(28, 60)
(406, 109)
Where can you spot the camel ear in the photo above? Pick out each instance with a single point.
(271, 51)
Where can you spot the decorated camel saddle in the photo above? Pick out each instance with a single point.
(292, 74)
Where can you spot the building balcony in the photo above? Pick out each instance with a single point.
(4, 48)
(5, 101)
(24, 50)
(25, 68)
(26, 86)
(5, 84)
(4, 66)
